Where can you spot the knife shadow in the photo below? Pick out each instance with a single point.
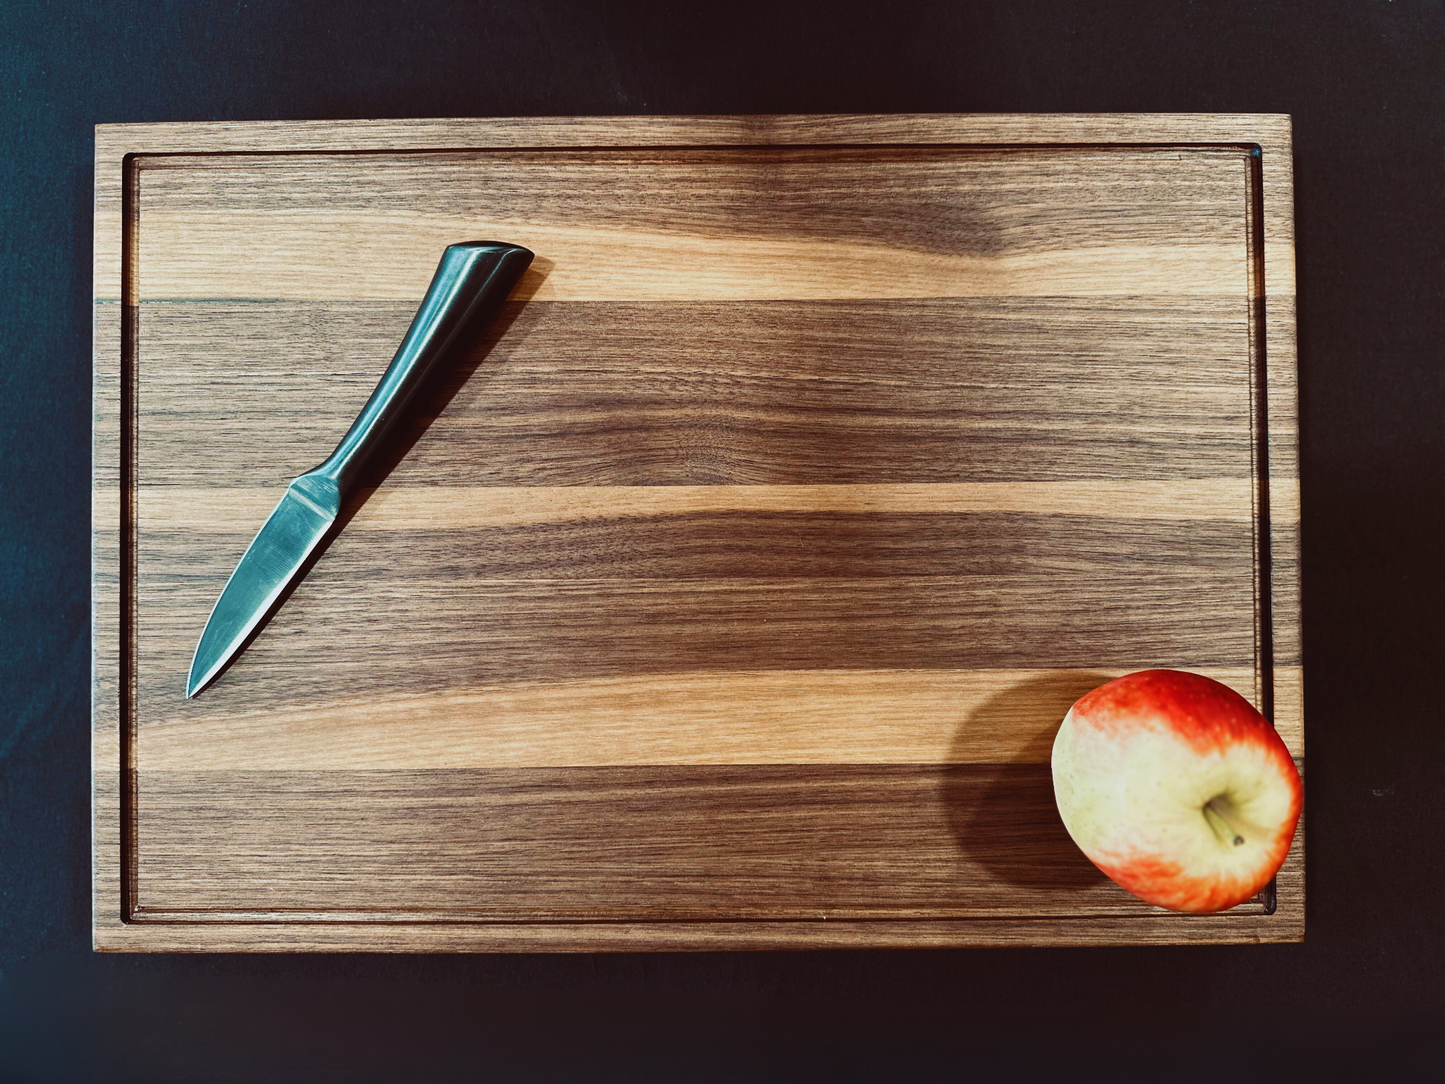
(468, 354)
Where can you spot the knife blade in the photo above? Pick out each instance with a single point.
(471, 282)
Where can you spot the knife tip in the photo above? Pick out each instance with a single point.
(199, 680)
(196, 679)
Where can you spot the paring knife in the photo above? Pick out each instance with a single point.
(470, 284)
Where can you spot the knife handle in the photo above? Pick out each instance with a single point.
(470, 284)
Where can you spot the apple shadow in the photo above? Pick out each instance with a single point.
(470, 351)
(1003, 815)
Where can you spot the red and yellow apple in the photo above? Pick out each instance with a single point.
(1177, 788)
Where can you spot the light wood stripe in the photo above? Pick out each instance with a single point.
(413, 508)
(391, 257)
(731, 717)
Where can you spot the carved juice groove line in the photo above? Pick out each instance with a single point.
(1259, 394)
(152, 636)
(128, 678)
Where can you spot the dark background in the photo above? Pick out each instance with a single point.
(1365, 82)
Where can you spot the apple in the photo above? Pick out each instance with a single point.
(1177, 788)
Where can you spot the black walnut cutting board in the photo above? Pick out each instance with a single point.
(731, 591)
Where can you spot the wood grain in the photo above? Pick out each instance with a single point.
(822, 595)
(919, 222)
(729, 593)
(695, 843)
(787, 393)
(812, 717)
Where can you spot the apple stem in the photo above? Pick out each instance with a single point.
(1219, 822)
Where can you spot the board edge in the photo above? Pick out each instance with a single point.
(115, 144)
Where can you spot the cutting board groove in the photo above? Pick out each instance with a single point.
(729, 591)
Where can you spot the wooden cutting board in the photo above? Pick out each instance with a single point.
(730, 593)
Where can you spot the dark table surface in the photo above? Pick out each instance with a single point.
(1365, 82)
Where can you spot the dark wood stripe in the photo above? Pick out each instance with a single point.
(953, 200)
(620, 843)
(343, 632)
(997, 389)
(450, 609)
(763, 546)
